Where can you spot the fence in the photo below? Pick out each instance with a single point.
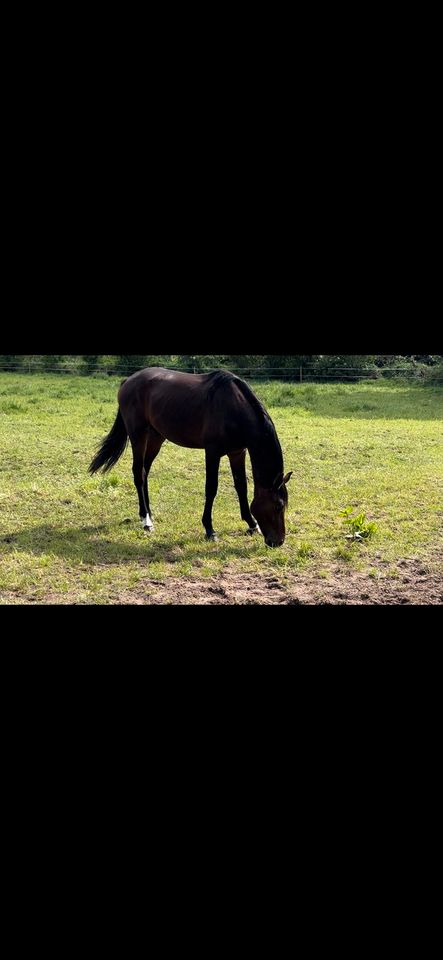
(301, 374)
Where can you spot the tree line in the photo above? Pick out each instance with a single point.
(286, 366)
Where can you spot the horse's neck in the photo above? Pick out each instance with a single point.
(265, 453)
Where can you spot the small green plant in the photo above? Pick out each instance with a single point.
(359, 528)
(344, 553)
(107, 482)
(305, 551)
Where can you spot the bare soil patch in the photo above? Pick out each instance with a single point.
(413, 585)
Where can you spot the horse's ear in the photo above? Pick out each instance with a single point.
(288, 477)
(278, 482)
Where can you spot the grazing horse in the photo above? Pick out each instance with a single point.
(215, 412)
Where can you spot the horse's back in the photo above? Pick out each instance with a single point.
(175, 404)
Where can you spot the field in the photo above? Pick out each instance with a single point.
(68, 538)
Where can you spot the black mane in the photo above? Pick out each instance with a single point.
(220, 378)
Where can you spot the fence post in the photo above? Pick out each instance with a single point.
(301, 374)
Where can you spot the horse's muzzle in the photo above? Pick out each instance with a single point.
(274, 543)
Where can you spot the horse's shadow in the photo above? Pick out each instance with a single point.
(92, 545)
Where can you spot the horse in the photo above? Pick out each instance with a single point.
(216, 412)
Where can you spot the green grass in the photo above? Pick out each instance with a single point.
(375, 446)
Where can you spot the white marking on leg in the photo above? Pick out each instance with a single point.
(147, 523)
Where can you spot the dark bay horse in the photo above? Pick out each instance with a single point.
(216, 412)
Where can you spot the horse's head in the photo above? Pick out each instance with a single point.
(268, 508)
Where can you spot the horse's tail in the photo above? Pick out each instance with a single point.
(112, 447)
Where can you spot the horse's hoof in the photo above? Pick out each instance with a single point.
(252, 530)
(212, 537)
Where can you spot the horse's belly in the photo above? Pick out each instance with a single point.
(182, 424)
(190, 444)
(182, 438)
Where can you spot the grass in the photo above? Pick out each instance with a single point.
(375, 446)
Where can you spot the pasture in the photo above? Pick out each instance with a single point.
(68, 538)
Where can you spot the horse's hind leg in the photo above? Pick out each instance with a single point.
(212, 469)
(155, 443)
(139, 444)
(238, 467)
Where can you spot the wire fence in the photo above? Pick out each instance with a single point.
(301, 374)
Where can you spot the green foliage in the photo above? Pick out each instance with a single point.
(129, 363)
(434, 373)
(281, 367)
(359, 527)
(90, 362)
(51, 361)
(10, 361)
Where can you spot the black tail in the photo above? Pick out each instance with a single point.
(112, 448)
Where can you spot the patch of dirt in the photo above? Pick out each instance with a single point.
(340, 588)
(415, 583)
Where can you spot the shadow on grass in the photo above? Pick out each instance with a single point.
(91, 545)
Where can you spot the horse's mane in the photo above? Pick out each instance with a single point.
(222, 377)
(219, 379)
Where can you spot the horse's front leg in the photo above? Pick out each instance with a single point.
(238, 467)
(212, 469)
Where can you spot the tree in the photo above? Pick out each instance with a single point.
(11, 361)
(50, 361)
(90, 362)
(130, 363)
